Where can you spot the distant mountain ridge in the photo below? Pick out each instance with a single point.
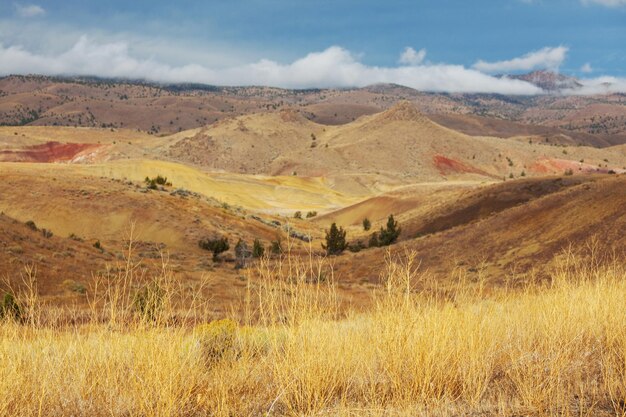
(36, 100)
(548, 80)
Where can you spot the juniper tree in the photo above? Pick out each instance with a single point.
(390, 234)
(335, 240)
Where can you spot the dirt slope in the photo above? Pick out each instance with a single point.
(501, 233)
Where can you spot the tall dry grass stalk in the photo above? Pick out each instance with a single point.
(558, 349)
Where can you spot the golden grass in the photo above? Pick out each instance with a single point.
(559, 349)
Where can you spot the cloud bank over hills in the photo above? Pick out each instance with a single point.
(332, 67)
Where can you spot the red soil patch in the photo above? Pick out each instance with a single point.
(450, 166)
(46, 152)
(559, 166)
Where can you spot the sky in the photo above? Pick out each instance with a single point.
(432, 45)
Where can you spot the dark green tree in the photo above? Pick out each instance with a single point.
(276, 246)
(216, 246)
(335, 240)
(367, 225)
(390, 234)
(257, 249)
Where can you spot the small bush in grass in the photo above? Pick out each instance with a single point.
(10, 308)
(367, 224)
(98, 245)
(148, 302)
(153, 183)
(74, 286)
(217, 339)
(297, 215)
(75, 237)
(276, 247)
(31, 225)
(46, 233)
(311, 214)
(569, 171)
(374, 242)
(356, 246)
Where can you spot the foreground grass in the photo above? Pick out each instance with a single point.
(555, 350)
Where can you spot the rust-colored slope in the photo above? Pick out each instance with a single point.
(495, 231)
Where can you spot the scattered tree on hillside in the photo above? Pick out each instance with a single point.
(276, 246)
(311, 214)
(257, 249)
(216, 246)
(335, 240)
(390, 234)
(367, 225)
(242, 254)
(152, 183)
(297, 215)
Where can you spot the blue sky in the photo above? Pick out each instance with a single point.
(453, 43)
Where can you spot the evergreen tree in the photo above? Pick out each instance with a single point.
(390, 234)
(216, 246)
(335, 240)
(367, 225)
(257, 249)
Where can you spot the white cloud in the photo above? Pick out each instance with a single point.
(586, 68)
(333, 67)
(607, 3)
(412, 57)
(545, 58)
(599, 85)
(30, 10)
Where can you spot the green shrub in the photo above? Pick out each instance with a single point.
(276, 246)
(356, 246)
(217, 245)
(367, 225)
(10, 308)
(297, 215)
(374, 243)
(31, 225)
(148, 302)
(311, 214)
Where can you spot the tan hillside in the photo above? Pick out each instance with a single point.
(395, 147)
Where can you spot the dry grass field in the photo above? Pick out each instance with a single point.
(552, 349)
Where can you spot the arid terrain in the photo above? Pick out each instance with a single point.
(489, 193)
(495, 196)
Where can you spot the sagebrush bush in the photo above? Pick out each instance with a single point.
(217, 339)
